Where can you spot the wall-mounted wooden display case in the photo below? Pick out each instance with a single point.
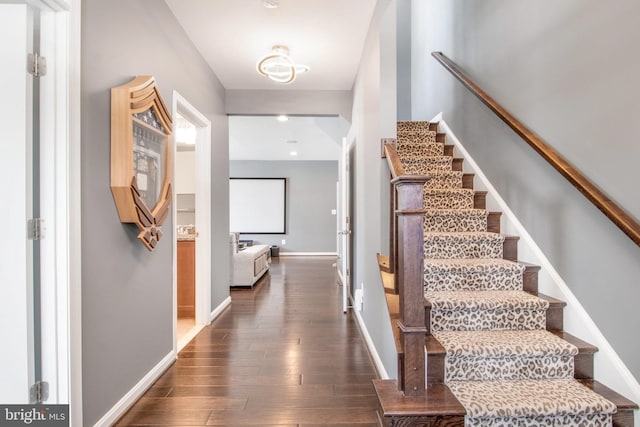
(141, 157)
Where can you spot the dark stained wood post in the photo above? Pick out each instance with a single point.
(410, 266)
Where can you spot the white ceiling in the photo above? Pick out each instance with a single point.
(266, 138)
(232, 35)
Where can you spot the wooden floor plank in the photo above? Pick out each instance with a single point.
(282, 355)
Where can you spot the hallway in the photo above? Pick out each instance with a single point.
(283, 354)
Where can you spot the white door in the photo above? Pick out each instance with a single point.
(344, 233)
(33, 307)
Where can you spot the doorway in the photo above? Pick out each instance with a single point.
(192, 221)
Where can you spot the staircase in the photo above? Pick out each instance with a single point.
(496, 354)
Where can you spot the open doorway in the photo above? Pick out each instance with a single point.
(192, 221)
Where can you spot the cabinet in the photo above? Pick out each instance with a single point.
(186, 278)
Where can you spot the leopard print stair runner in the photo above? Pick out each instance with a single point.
(500, 362)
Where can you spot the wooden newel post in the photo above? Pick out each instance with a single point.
(410, 264)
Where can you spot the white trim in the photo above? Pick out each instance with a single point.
(138, 390)
(186, 338)
(308, 253)
(219, 309)
(610, 369)
(382, 372)
(203, 215)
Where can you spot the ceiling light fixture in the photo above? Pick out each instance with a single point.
(293, 153)
(279, 67)
(270, 4)
(283, 118)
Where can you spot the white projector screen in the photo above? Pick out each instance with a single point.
(257, 205)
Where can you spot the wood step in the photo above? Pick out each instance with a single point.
(480, 200)
(456, 164)
(467, 180)
(510, 248)
(530, 277)
(583, 361)
(493, 222)
(555, 312)
(624, 416)
(448, 150)
(441, 137)
(437, 408)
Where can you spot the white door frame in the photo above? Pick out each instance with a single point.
(60, 140)
(344, 232)
(203, 216)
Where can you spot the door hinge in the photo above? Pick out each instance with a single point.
(36, 65)
(39, 392)
(348, 271)
(35, 229)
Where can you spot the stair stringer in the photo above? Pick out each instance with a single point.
(610, 369)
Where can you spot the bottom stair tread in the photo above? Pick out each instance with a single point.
(529, 399)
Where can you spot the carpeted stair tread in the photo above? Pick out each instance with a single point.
(440, 179)
(409, 125)
(407, 150)
(504, 343)
(448, 198)
(506, 355)
(426, 164)
(463, 245)
(511, 403)
(484, 300)
(416, 136)
(485, 310)
(455, 220)
(472, 274)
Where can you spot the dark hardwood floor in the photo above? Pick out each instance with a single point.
(283, 354)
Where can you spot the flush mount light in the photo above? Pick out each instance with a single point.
(293, 153)
(279, 67)
(270, 4)
(283, 118)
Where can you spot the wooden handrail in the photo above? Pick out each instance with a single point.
(614, 212)
(395, 165)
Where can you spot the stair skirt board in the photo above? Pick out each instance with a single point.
(499, 360)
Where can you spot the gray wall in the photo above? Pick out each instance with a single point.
(569, 71)
(311, 195)
(126, 290)
(374, 117)
(403, 47)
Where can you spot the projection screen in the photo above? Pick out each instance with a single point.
(257, 205)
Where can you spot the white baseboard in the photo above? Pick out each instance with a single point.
(138, 390)
(308, 253)
(219, 309)
(382, 371)
(610, 369)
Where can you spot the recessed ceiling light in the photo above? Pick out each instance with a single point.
(292, 141)
(283, 118)
(293, 153)
(270, 4)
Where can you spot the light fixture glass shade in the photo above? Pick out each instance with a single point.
(279, 67)
(270, 4)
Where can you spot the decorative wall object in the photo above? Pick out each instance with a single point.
(141, 157)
